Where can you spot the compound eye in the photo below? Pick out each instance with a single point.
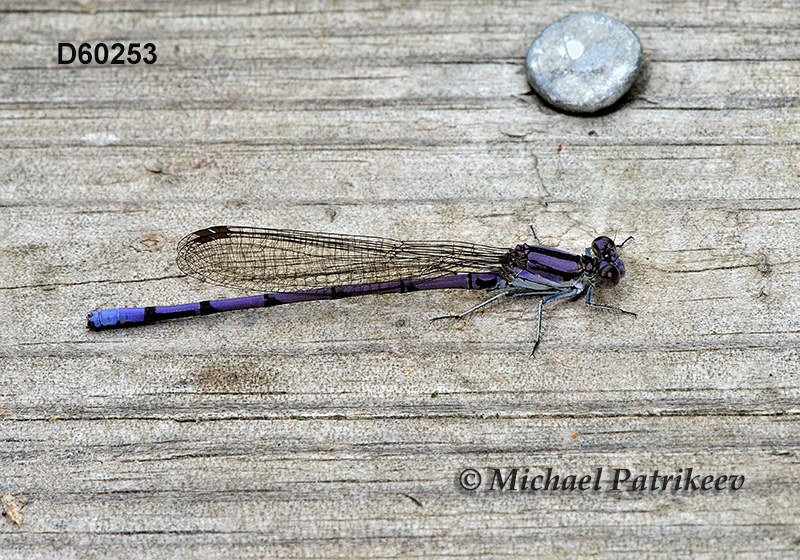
(602, 246)
(608, 275)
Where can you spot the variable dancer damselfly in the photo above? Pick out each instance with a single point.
(294, 266)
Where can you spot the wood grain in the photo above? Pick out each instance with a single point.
(340, 429)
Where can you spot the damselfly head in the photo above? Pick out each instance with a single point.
(604, 248)
(610, 268)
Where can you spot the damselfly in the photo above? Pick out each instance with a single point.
(293, 266)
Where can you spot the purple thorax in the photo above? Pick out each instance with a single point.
(554, 265)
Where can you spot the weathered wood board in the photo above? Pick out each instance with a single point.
(341, 429)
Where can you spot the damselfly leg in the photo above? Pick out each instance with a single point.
(590, 303)
(560, 295)
(471, 309)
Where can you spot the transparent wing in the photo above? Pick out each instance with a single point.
(275, 260)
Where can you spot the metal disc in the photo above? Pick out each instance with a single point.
(584, 62)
